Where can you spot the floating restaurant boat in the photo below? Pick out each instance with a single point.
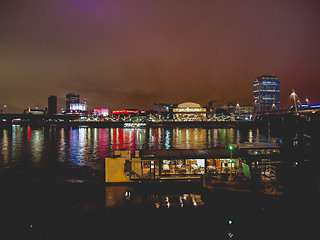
(157, 165)
(161, 165)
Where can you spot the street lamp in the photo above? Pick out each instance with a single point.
(231, 148)
(295, 98)
(307, 101)
(238, 108)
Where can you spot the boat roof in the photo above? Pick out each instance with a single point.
(258, 145)
(186, 153)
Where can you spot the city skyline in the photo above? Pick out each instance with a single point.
(120, 54)
(75, 99)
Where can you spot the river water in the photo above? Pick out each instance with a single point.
(52, 187)
(88, 147)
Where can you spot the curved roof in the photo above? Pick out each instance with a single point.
(189, 105)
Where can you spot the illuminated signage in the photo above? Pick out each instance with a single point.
(125, 112)
(101, 111)
(77, 107)
(189, 110)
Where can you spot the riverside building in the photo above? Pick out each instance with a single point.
(266, 94)
(71, 98)
(52, 105)
(189, 111)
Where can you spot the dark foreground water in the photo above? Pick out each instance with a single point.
(96, 211)
(51, 187)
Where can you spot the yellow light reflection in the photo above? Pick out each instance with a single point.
(37, 140)
(5, 146)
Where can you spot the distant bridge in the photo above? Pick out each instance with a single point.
(301, 109)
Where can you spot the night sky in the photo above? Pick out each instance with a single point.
(130, 54)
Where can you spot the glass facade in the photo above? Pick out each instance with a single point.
(266, 93)
(183, 168)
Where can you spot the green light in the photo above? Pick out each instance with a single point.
(231, 147)
(230, 234)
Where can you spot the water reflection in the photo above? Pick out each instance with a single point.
(16, 140)
(103, 147)
(185, 200)
(127, 138)
(37, 141)
(238, 136)
(250, 136)
(225, 136)
(189, 138)
(89, 146)
(5, 147)
(167, 139)
(78, 141)
(128, 196)
(62, 146)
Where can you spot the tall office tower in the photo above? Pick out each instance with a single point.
(52, 105)
(266, 93)
(72, 98)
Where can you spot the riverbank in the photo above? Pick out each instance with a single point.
(120, 124)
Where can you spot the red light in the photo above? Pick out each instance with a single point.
(29, 133)
(125, 112)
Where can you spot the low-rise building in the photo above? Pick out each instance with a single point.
(189, 111)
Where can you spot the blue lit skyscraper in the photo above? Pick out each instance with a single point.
(266, 93)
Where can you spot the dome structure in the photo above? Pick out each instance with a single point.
(189, 105)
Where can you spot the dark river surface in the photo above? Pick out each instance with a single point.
(52, 187)
(88, 147)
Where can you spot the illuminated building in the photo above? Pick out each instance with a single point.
(52, 105)
(34, 111)
(72, 98)
(229, 107)
(243, 109)
(266, 93)
(128, 113)
(162, 109)
(101, 112)
(232, 109)
(189, 111)
(77, 107)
